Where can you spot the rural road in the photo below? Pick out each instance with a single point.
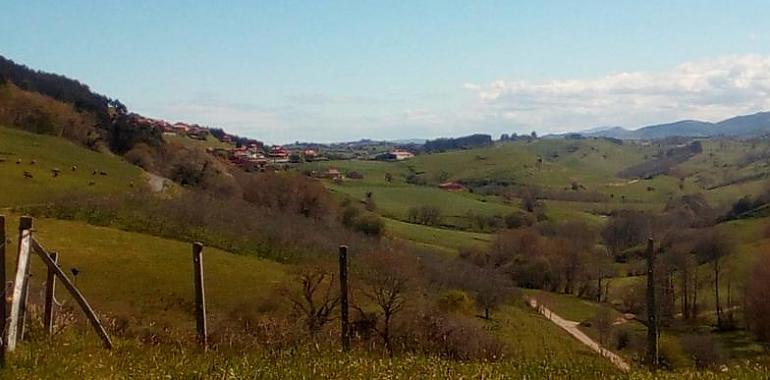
(572, 328)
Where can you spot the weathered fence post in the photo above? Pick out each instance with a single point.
(200, 296)
(19, 283)
(345, 330)
(3, 311)
(24, 224)
(652, 308)
(50, 288)
(87, 310)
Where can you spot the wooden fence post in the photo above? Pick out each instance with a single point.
(652, 308)
(50, 288)
(25, 223)
(82, 302)
(19, 283)
(200, 296)
(344, 318)
(3, 311)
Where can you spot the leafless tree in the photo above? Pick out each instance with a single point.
(385, 282)
(712, 248)
(314, 296)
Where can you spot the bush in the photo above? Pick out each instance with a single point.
(369, 224)
(427, 215)
(518, 220)
(704, 350)
(455, 301)
(452, 336)
(671, 354)
(142, 156)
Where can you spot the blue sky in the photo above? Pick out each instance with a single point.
(326, 71)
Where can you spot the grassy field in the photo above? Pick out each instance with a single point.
(55, 153)
(149, 279)
(437, 237)
(716, 173)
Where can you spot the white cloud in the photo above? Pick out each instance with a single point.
(708, 90)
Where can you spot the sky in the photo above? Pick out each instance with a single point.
(284, 71)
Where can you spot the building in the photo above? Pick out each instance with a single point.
(451, 186)
(309, 154)
(395, 155)
(181, 128)
(278, 154)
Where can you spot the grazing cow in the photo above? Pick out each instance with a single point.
(55, 172)
(32, 162)
(74, 168)
(27, 175)
(94, 172)
(102, 173)
(18, 161)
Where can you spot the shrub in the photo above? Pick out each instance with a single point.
(704, 350)
(369, 224)
(671, 354)
(455, 301)
(758, 298)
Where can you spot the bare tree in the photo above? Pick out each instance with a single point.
(492, 290)
(604, 323)
(386, 281)
(313, 296)
(712, 248)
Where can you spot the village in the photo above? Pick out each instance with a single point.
(255, 156)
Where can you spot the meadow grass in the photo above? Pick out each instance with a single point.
(56, 153)
(146, 278)
(437, 237)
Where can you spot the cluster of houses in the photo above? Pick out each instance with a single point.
(193, 131)
(256, 155)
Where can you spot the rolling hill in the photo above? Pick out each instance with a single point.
(753, 125)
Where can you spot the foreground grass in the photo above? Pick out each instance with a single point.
(74, 358)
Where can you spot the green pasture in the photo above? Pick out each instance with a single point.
(51, 153)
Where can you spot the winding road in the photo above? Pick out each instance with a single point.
(572, 328)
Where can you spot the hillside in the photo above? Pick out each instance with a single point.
(94, 173)
(745, 126)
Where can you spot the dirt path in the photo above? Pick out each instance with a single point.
(572, 329)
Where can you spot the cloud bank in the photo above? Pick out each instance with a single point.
(706, 90)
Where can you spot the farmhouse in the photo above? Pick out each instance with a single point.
(309, 154)
(278, 154)
(181, 128)
(198, 132)
(332, 173)
(451, 186)
(395, 155)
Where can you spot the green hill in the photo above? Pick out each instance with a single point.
(49, 153)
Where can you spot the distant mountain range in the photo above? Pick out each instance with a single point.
(757, 124)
